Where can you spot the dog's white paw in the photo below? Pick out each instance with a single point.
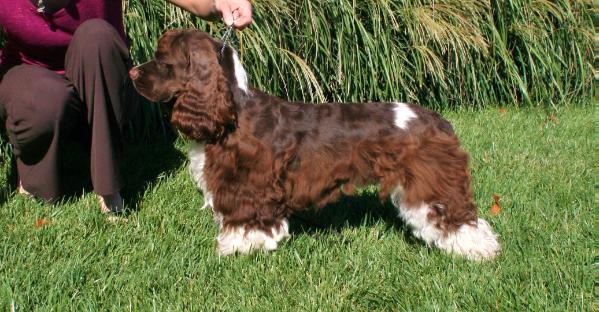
(238, 239)
(475, 242)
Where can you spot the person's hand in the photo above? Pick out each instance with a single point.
(235, 12)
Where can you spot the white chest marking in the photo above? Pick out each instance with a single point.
(197, 161)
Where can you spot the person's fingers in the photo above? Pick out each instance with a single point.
(227, 15)
(236, 13)
(244, 15)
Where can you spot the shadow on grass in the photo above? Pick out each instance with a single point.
(8, 175)
(362, 209)
(142, 164)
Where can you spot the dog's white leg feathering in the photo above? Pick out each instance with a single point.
(403, 115)
(475, 242)
(238, 239)
(197, 160)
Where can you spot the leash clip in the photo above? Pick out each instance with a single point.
(226, 36)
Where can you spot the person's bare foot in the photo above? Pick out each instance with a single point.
(23, 191)
(112, 205)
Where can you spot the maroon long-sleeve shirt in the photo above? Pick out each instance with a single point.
(42, 39)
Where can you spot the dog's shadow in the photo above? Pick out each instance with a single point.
(362, 209)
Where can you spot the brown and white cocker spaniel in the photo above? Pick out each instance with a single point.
(258, 159)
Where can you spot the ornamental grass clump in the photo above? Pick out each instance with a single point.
(442, 54)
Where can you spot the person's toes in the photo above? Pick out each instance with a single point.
(111, 203)
(23, 191)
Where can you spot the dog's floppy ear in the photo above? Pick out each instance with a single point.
(235, 73)
(204, 111)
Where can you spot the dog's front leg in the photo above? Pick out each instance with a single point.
(247, 237)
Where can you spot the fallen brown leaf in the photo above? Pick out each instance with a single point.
(41, 222)
(502, 110)
(554, 119)
(495, 208)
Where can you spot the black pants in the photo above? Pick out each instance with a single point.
(41, 109)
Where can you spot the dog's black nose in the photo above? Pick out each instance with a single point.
(134, 73)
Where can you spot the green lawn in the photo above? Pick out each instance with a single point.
(353, 256)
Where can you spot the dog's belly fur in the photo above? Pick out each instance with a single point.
(325, 150)
(309, 154)
(313, 142)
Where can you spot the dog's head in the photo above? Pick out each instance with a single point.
(188, 68)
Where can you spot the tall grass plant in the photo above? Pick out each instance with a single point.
(441, 53)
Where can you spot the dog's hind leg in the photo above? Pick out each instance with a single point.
(435, 201)
(471, 239)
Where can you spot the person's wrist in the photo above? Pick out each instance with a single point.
(210, 13)
(214, 9)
